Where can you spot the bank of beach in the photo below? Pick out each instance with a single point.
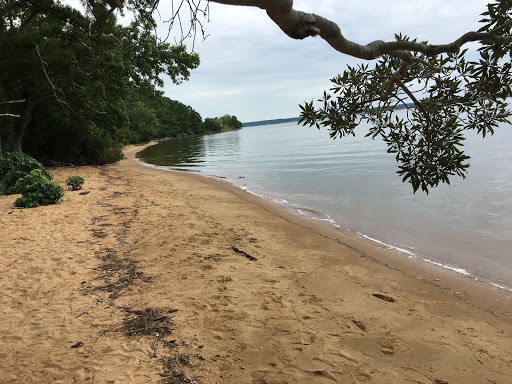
(249, 293)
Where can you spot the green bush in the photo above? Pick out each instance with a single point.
(15, 165)
(37, 190)
(75, 182)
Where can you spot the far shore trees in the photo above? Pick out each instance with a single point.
(220, 124)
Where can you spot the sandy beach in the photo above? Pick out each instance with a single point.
(156, 276)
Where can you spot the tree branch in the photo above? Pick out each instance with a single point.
(54, 90)
(27, 21)
(395, 79)
(8, 114)
(13, 101)
(413, 98)
(299, 25)
(43, 67)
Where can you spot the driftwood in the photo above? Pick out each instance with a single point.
(252, 258)
(384, 297)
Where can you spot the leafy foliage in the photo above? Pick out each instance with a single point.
(37, 190)
(443, 96)
(173, 119)
(224, 123)
(90, 87)
(212, 125)
(75, 182)
(15, 165)
(77, 74)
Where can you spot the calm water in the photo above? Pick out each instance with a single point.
(352, 183)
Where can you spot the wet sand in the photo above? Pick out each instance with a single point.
(157, 276)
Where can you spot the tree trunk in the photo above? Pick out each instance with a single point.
(25, 119)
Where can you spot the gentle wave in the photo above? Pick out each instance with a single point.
(389, 246)
(460, 271)
(454, 269)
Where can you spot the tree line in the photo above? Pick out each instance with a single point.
(76, 87)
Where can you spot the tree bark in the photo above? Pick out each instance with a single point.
(25, 119)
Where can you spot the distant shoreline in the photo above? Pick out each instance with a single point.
(292, 119)
(270, 122)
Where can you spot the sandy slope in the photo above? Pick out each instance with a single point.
(296, 304)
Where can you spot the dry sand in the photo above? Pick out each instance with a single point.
(155, 276)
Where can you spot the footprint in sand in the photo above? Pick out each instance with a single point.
(360, 325)
(388, 349)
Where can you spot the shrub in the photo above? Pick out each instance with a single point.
(37, 190)
(75, 182)
(15, 165)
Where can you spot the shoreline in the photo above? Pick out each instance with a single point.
(234, 288)
(400, 250)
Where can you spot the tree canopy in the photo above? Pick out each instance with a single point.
(224, 123)
(75, 87)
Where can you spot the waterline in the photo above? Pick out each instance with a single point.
(352, 184)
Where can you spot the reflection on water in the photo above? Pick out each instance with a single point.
(179, 154)
(193, 154)
(353, 184)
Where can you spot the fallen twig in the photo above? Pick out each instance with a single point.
(384, 297)
(252, 258)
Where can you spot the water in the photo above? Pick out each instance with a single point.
(465, 227)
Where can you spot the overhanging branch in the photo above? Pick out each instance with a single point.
(54, 90)
(12, 101)
(43, 67)
(299, 25)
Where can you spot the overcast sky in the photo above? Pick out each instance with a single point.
(251, 69)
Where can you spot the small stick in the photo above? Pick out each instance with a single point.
(252, 258)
